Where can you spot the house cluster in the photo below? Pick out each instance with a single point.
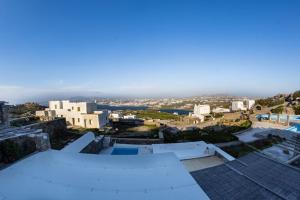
(200, 111)
(118, 115)
(81, 114)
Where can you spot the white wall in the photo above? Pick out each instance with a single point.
(82, 114)
(237, 105)
(250, 103)
(201, 109)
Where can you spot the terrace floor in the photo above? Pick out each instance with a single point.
(202, 163)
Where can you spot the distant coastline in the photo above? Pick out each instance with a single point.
(115, 108)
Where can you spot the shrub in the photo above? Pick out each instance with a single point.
(10, 151)
(269, 102)
(296, 94)
(297, 109)
(277, 110)
(238, 150)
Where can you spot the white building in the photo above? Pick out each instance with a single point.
(81, 114)
(116, 115)
(200, 110)
(130, 116)
(250, 103)
(220, 110)
(238, 105)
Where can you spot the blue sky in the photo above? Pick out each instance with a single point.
(148, 48)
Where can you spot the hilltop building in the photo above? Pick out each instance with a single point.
(250, 103)
(200, 111)
(130, 116)
(116, 115)
(220, 110)
(238, 106)
(83, 114)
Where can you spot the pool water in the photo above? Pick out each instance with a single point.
(273, 117)
(125, 151)
(295, 128)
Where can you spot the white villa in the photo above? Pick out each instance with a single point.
(239, 105)
(83, 114)
(200, 111)
(130, 116)
(220, 110)
(250, 103)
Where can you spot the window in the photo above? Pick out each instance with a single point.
(78, 120)
(78, 109)
(55, 106)
(90, 122)
(72, 107)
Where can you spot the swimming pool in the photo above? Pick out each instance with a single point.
(295, 128)
(282, 117)
(125, 151)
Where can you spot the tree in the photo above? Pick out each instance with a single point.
(297, 109)
(296, 94)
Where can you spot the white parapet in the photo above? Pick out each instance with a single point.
(80, 143)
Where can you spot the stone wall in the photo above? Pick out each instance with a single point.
(16, 148)
(52, 127)
(94, 147)
(3, 114)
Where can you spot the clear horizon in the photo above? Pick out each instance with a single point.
(148, 48)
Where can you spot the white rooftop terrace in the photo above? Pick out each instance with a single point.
(187, 150)
(59, 175)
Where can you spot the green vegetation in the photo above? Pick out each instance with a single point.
(144, 128)
(24, 121)
(297, 109)
(60, 139)
(296, 94)
(207, 137)
(213, 134)
(11, 151)
(81, 131)
(135, 131)
(238, 150)
(27, 108)
(270, 102)
(154, 114)
(265, 143)
(218, 115)
(278, 109)
(243, 149)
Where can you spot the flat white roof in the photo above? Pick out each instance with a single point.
(59, 175)
(187, 150)
(80, 143)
